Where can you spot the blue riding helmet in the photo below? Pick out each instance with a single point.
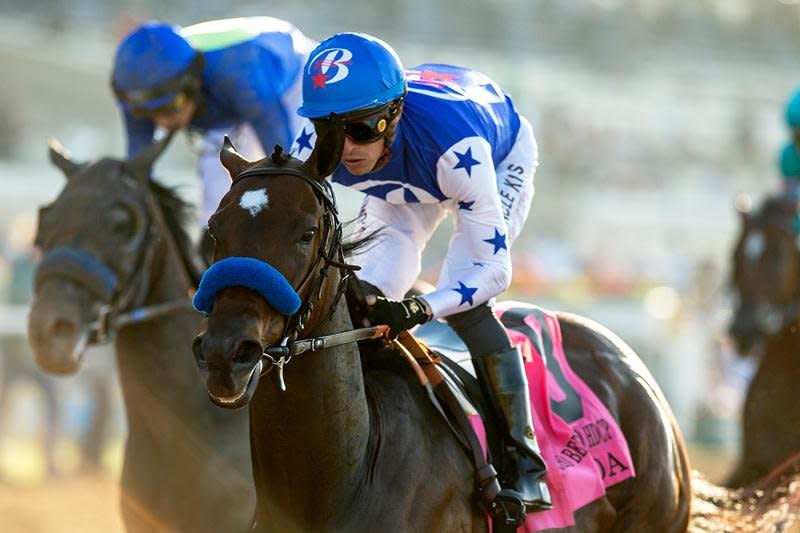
(153, 65)
(350, 72)
(793, 111)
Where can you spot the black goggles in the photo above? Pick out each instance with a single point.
(176, 105)
(181, 84)
(368, 126)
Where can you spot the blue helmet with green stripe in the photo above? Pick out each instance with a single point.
(152, 65)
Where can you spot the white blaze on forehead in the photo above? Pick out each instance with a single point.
(254, 201)
(754, 245)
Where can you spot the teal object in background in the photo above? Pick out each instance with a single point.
(793, 111)
(790, 162)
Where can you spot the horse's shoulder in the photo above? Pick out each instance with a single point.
(394, 393)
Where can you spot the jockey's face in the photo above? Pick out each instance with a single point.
(176, 119)
(362, 158)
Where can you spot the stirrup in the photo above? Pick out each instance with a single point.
(509, 507)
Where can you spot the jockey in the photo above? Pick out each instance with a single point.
(422, 143)
(240, 77)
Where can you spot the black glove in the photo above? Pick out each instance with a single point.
(399, 315)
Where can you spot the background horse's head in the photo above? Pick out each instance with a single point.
(766, 272)
(274, 235)
(94, 238)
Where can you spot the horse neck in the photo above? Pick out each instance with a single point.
(154, 357)
(309, 442)
(782, 349)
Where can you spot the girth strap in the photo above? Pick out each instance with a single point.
(486, 482)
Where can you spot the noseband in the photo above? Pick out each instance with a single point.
(264, 279)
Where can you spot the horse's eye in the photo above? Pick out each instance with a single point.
(122, 222)
(308, 235)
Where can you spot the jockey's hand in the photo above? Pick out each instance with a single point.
(399, 315)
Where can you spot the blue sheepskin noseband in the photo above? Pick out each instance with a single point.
(251, 273)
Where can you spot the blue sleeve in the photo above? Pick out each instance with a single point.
(140, 133)
(256, 101)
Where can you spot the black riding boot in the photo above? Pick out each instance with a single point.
(503, 377)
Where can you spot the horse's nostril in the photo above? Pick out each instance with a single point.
(247, 352)
(197, 349)
(63, 328)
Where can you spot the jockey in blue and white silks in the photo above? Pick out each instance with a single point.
(460, 148)
(240, 77)
(421, 144)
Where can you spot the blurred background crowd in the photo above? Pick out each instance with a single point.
(650, 116)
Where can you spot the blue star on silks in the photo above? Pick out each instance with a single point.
(304, 141)
(466, 161)
(466, 293)
(498, 241)
(466, 206)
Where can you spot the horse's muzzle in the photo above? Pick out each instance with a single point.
(231, 380)
(57, 336)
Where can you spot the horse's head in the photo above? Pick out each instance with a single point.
(275, 233)
(766, 272)
(93, 238)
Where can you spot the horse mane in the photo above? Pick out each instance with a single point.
(352, 246)
(178, 214)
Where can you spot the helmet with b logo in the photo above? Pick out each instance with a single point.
(351, 72)
(155, 68)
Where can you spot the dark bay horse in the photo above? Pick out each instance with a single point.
(353, 443)
(766, 280)
(113, 244)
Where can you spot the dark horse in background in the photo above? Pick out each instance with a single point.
(766, 322)
(354, 444)
(114, 249)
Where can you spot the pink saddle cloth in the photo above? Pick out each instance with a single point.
(581, 442)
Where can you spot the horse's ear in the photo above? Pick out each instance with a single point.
(327, 153)
(743, 205)
(232, 160)
(61, 158)
(141, 164)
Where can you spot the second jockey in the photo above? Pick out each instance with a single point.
(240, 77)
(421, 144)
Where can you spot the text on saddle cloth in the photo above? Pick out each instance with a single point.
(581, 442)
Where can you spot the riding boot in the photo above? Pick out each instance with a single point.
(502, 376)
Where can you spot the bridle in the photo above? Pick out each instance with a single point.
(125, 300)
(329, 254)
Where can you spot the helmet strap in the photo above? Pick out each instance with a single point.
(391, 132)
